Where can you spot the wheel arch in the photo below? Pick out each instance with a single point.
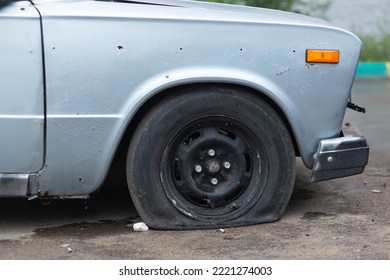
(117, 167)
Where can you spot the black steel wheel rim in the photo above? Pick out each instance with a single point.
(214, 168)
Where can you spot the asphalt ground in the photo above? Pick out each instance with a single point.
(346, 218)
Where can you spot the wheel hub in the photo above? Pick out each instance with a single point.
(213, 166)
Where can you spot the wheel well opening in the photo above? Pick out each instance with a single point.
(117, 171)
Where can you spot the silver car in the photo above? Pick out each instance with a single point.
(203, 107)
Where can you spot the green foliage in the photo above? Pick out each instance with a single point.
(285, 5)
(376, 47)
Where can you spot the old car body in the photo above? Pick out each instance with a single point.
(79, 77)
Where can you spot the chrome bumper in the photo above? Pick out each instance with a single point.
(341, 157)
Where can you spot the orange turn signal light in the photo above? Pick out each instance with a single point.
(322, 56)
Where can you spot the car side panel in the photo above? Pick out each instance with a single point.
(100, 70)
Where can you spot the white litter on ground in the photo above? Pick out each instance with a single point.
(140, 227)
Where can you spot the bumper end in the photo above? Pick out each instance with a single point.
(341, 157)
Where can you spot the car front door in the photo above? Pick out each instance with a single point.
(21, 89)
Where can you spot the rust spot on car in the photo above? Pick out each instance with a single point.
(283, 72)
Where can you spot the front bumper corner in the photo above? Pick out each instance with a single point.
(341, 157)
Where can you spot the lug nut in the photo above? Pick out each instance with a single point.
(211, 153)
(214, 181)
(198, 168)
(227, 165)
